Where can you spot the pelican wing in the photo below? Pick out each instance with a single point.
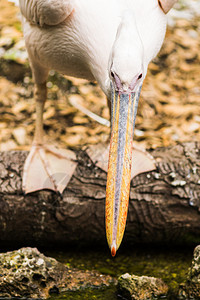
(45, 12)
(166, 5)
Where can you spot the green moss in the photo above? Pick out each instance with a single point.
(89, 294)
(169, 264)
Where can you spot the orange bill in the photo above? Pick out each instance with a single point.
(124, 109)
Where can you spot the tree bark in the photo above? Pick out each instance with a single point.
(164, 204)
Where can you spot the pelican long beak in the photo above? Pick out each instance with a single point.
(123, 114)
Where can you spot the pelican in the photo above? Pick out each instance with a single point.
(108, 41)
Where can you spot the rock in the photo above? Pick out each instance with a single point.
(141, 287)
(191, 288)
(28, 273)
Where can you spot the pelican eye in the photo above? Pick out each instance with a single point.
(140, 76)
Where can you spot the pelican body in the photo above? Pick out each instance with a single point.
(111, 42)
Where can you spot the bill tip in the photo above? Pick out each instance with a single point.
(113, 251)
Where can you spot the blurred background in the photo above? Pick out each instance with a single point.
(169, 109)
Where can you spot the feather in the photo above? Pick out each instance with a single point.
(45, 12)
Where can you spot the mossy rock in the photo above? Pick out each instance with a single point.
(27, 273)
(141, 287)
(191, 288)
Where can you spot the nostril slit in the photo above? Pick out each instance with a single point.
(140, 76)
(112, 74)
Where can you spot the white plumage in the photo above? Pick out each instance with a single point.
(80, 44)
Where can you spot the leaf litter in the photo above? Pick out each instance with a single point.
(169, 105)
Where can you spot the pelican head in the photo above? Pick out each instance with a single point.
(127, 70)
(126, 63)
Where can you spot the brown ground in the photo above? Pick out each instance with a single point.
(169, 106)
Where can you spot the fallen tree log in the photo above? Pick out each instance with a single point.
(164, 204)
